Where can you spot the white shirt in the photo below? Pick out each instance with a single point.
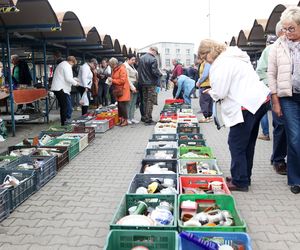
(234, 81)
(85, 76)
(63, 78)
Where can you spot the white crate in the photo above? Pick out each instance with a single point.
(101, 126)
(83, 141)
(162, 144)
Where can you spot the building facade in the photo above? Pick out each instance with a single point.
(184, 52)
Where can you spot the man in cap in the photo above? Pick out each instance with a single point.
(149, 76)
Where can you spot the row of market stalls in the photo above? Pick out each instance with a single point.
(253, 41)
(32, 30)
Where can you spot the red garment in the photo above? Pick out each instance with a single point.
(177, 71)
(119, 77)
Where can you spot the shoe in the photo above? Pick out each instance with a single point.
(143, 119)
(280, 168)
(120, 121)
(124, 123)
(233, 187)
(149, 123)
(295, 189)
(229, 179)
(135, 121)
(204, 120)
(129, 122)
(264, 137)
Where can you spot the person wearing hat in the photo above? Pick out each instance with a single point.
(149, 75)
(279, 136)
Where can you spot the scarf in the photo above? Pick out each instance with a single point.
(294, 48)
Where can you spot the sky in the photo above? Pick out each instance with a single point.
(138, 23)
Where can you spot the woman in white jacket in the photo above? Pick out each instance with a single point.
(244, 100)
(284, 82)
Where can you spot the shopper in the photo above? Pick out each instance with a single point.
(119, 80)
(104, 72)
(186, 86)
(61, 85)
(284, 82)
(205, 101)
(177, 71)
(133, 81)
(149, 76)
(244, 101)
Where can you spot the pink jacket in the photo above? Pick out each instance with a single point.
(280, 69)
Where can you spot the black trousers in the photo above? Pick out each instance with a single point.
(84, 109)
(122, 110)
(62, 101)
(103, 89)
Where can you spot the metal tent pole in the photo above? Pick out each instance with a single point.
(46, 80)
(11, 96)
(33, 66)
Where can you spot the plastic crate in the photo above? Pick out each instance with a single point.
(142, 180)
(190, 136)
(195, 181)
(106, 115)
(4, 204)
(202, 152)
(83, 139)
(212, 165)
(168, 117)
(173, 101)
(162, 144)
(61, 160)
(81, 119)
(152, 239)
(187, 116)
(51, 133)
(100, 126)
(150, 152)
(58, 128)
(111, 121)
(189, 119)
(44, 174)
(188, 128)
(236, 237)
(191, 140)
(4, 160)
(225, 202)
(164, 128)
(171, 165)
(198, 143)
(152, 200)
(24, 190)
(89, 130)
(163, 137)
(72, 144)
(30, 150)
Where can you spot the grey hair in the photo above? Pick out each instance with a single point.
(291, 14)
(14, 57)
(94, 60)
(113, 61)
(278, 28)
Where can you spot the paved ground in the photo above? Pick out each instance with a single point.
(74, 210)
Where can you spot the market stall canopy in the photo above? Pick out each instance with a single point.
(107, 42)
(257, 36)
(7, 6)
(274, 19)
(93, 40)
(242, 39)
(124, 50)
(43, 20)
(117, 47)
(233, 41)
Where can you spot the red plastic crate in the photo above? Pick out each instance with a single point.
(171, 117)
(111, 121)
(187, 116)
(191, 182)
(172, 101)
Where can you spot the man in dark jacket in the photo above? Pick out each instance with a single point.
(149, 76)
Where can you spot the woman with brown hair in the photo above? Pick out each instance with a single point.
(119, 80)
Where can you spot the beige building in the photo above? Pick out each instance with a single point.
(184, 52)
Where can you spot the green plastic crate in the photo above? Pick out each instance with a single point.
(73, 147)
(59, 128)
(152, 200)
(128, 239)
(197, 150)
(4, 160)
(225, 202)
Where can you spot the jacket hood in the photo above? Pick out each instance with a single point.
(235, 52)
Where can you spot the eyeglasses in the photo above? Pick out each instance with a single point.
(290, 29)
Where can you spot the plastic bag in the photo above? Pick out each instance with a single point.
(3, 131)
(84, 101)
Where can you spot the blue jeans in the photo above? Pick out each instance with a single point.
(241, 140)
(291, 113)
(69, 106)
(132, 105)
(264, 122)
(187, 97)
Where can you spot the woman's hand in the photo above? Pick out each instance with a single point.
(276, 107)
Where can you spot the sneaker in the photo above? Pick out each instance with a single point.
(264, 137)
(129, 121)
(204, 120)
(135, 121)
(295, 189)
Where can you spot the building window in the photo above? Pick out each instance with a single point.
(188, 62)
(188, 51)
(168, 64)
(167, 51)
(177, 51)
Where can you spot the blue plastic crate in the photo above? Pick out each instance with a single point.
(241, 238)
(24, 190)
(44, 174)
(4, 204)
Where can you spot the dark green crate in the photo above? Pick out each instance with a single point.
(170, 151)
(73, 147)
(58, 128)
(4, 204)
(225, 202)
(169, 164)
(152, 239)
(198, 143)
(4, 160)
(190, 136)
(201, 151)
(23, 191)
(152, 200)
